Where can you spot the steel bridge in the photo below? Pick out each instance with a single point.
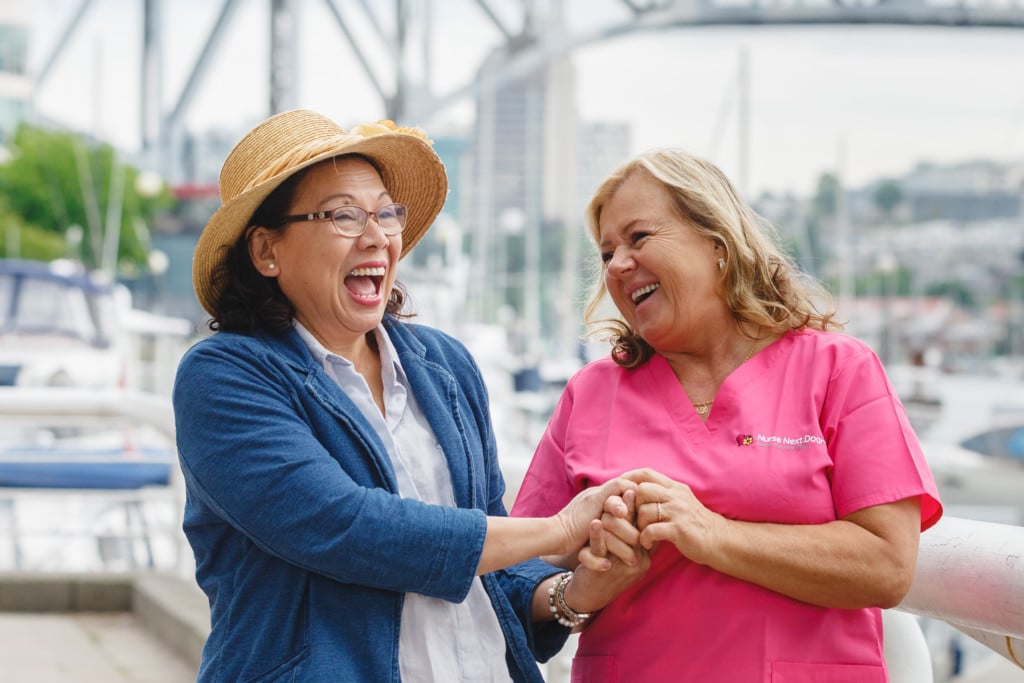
(526, 33)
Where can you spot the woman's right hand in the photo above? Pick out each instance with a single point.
(589, 505)
(612, 561)
(617, 535)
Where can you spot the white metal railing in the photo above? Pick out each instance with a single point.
(970, 574)
(46, 403)
(48, 406)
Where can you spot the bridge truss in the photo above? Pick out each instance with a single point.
(402, 36)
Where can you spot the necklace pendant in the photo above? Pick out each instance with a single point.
(703, 408)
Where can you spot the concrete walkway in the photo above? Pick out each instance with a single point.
(100, 647)
(119, 628)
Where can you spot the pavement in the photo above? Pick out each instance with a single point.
(150, 628)
(106, 628)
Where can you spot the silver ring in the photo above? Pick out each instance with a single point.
(659, 511)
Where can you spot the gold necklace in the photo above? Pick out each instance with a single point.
(704, 407)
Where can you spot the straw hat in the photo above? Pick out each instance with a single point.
(291, 141)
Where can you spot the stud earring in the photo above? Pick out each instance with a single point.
(271, 266)
(721, 263)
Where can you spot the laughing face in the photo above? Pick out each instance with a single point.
(660, 273)
(338, 285)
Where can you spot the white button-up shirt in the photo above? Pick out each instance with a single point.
(438, 640)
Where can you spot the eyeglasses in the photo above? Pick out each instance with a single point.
(350, 221)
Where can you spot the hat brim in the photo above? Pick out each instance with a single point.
(411, 172)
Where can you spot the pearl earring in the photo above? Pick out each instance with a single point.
(271, 266)
(721, 263)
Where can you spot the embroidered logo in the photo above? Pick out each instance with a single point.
(744, 439)
(789, 443)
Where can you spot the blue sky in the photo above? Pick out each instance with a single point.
(868, 101)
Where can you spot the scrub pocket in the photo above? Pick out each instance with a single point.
(811, 672)
(594, 669)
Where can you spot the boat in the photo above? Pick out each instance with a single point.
(84, 402)
(101, 457)
(62, 325)
(1001, 441)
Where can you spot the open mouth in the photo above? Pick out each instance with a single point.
(644, 292)
(364, 283)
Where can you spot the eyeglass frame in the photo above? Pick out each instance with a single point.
(329, 215)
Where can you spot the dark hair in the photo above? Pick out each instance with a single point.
(247, 300)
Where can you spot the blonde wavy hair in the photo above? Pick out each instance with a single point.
(760, 284)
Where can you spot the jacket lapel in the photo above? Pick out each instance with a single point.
(437, 392)
(335, 401)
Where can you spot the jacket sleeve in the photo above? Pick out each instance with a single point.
(252, 460)
(518, 582)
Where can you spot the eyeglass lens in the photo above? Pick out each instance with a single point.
(351, 220)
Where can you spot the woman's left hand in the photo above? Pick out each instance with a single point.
(669, 511)
(864, 559)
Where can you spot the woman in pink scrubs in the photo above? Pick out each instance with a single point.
(782, 489)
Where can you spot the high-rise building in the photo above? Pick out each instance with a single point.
(524, 198)
(603, 147)
(15, 85)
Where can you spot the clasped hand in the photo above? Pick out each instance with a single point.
(631, 526)
(667, 510)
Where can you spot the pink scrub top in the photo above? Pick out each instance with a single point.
(805, 432)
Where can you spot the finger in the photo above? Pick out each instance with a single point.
(592, 562)
(598, 545)
(615, 505)
(595, 555)
(627, 553)
(629, 498)
(652, 493)
(646, 474)
(649, 513)
(619, 485)
(650, 536)
(622, 529)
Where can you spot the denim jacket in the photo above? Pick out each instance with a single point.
(301, 542)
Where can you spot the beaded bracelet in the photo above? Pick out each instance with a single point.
(565, 615)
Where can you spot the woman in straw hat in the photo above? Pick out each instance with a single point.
(343, 491)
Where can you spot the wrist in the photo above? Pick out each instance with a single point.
(578, 594)
(560, 609)
(559, 539)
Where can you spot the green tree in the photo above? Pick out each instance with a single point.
(955, 291)
(821, 217)
(55, 180)
(887, 196)
(826, 196)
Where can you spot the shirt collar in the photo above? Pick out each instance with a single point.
(391, 366)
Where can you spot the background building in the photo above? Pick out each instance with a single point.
(15, 85)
